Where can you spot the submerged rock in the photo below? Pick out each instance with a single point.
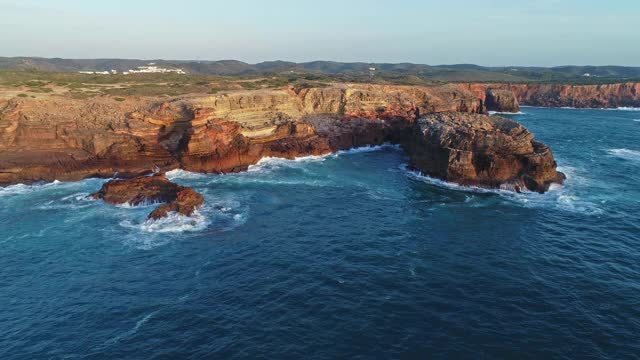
(152, 189)
(482, 150)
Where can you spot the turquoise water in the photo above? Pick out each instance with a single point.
(348, 255)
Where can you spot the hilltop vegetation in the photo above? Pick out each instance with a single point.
(403, 73)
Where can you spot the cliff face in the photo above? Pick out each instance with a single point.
(66, 139)
(482, 150)
(501, 100)
(579, 96)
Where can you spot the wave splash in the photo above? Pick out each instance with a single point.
(172, 223)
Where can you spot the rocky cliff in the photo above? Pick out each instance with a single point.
(482, 150)
(67, 139)
(579, 96)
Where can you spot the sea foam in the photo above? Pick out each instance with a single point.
(559, 197)
(625, 154)
(172, 223)
(506, 113)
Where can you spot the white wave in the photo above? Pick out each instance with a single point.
(172, 223)
(180, 174)
(22, 188)
(446, 184)
(625, 154)
(15, 189)
(505, 113)
(270, 163)
(365, 149)
(620, 108)
(558, 196)
(636, 120)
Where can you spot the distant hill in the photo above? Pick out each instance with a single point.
(456, 72)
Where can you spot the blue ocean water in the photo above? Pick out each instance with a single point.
(344, 256)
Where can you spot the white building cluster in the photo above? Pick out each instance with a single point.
(150, 68)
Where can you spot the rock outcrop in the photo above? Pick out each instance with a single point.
(558, 95)
(150, 190)
(482, 150)
(501, 100)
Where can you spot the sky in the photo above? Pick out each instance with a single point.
(484, 32)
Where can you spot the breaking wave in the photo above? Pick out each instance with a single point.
(267, 164)
(18, 189)
(179, 174)
(365, 149)
(559, 197)
(172, 223)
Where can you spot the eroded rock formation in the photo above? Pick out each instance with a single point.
(482, 150)
(501, 100)
(150, 190)
(558, 95)
(66, 139)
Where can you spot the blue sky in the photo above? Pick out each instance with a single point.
(487, 32)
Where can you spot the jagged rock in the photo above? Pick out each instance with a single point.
(151, 189)
(481, 150)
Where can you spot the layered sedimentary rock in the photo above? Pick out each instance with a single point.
(481, 150)
(501, 100)
(149, 190)
(69, 139)
(557, 95)
(66, 139)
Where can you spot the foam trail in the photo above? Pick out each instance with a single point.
(134, 330)
(505, 113)
(625, 154)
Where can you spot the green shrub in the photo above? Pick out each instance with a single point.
(23, 95)
(35, 83)
(119, 99)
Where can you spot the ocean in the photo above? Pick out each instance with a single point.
(349, 255)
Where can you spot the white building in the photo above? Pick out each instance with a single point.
(152, 68)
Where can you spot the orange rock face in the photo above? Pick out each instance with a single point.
(579, 96)
(67, 139)
(482, 150)
(151, 189)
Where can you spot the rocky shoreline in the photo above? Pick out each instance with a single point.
(443, 129)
